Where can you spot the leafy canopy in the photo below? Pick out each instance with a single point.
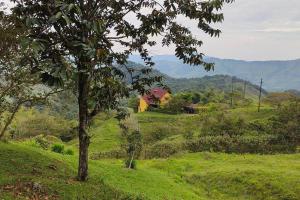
(91, 36)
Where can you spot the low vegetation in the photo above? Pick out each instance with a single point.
(174, 156)
(185, 176)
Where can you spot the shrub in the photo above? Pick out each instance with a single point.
(264, 144)
(58, 148)
(188, 135)
(69, 135)
(32, 122)
(163, 130)
(286, 123)
(132, 164)
(162, 150)
(177, 103)
(222, 124)
(69, 152)
(132, 139)
(259, 126)
(133, 102)
(42, 142)
(279, 98)
(117, 154)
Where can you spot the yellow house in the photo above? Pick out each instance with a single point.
(157, 97)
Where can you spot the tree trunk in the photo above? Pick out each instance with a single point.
(8, 122)
(84, 139)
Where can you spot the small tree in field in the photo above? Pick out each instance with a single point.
(83, 39)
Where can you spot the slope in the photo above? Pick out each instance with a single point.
(27, 172)
(277, 75)
(219, 82)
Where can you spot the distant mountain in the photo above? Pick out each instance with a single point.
(277, 75)
(219, 82)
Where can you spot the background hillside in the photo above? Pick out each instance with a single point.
(277, 75)
(218, 82)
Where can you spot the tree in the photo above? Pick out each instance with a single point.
(17, 83)
(83, 39)
(178, 103)
(133, 102)
(286, 123)
(276, 99)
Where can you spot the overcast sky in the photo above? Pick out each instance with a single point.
(259, 30)
(253, 30)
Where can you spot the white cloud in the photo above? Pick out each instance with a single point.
(252, 30)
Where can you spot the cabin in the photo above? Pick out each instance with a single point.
(156, 98)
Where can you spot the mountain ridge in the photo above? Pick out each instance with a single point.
(218, 82)
(278, 75)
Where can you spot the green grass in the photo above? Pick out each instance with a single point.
(183, 176)
(173, 126)
(224, 176)
(22, 166)
(186, 176)
(105, 135)
(251, 113)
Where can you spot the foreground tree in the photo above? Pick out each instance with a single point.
(18, 86)
(83, 39)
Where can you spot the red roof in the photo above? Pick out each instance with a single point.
(154, 95)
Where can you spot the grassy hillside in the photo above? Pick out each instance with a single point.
(27, 171)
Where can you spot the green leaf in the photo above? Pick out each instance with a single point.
(56, 17)
(66, 18)
(78, 10)
(71, 6)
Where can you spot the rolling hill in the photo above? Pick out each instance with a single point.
(219, 82)
(277, 75)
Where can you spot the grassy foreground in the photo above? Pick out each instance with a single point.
(29, 172)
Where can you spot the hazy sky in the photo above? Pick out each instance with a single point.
(253, 30)
(259, 30)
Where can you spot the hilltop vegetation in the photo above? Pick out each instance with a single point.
(277, 75)
(223, 83)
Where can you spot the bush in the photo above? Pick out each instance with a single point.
(58, 148)
(130, 164)
(133, 102)
(264, 144)
(223, 125)
(117, 154)
(163, 130)
(176, 105)
(279, 98)
(69, 135)
(286, 123)
(42, 142)
(32, 122)
(162, 150)
(69, 152)
(188, 135)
